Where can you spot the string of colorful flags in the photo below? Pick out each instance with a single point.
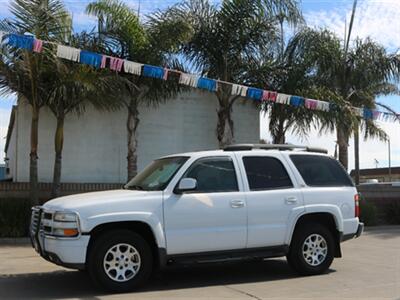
(101, 61)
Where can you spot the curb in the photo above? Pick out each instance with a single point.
(15, 241)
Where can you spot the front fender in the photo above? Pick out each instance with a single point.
(310, 209)
(148, 218)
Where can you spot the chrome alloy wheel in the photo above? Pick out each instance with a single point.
(315, 250)
(121, 262)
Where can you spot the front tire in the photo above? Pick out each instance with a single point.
(120, 261)
(311, 250)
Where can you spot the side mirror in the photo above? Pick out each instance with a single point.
(186, 185)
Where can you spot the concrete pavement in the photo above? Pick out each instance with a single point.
(370, 268)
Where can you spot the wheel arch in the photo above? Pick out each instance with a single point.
(142, 228)
(328, 219)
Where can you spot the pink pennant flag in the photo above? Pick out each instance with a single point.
(269, 96)
(116, 64)
(264, 96)
(310, 104)
(103, 61)
(165, 77)
(37, 46)
(376, 114)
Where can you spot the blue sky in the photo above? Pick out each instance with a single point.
(378, 19)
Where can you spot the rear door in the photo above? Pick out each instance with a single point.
(272, 196)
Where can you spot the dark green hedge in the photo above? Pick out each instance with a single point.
(368, 213)
(14, 217)
(392, 213)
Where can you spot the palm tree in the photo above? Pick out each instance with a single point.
(225, 39)
(348, 76)
(122, 34)
(277, 70)
(26, 73)
(74, 86)
(283, 72)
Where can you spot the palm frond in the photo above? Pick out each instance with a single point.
(46, 19)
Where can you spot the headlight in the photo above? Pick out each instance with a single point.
(65, 217)
(65, 224)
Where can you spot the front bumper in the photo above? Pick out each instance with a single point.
(67, 252)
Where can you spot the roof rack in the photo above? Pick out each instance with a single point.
(244, 147)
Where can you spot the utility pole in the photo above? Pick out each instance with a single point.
(390, 163)
(357, 154)
(138, 11)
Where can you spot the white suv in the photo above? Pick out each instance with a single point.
(243, 202)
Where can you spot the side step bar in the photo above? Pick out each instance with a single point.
(227, 256)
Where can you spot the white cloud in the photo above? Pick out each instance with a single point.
(379, 20)
(6, 102)
(369, 150)
(4, 119)
(83, 21)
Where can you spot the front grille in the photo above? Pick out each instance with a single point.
(35, 219)
(47, 223)
(47, 216)
(42, 222)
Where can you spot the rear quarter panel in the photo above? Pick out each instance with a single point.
(338, 201)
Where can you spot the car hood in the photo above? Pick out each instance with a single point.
(108, 201)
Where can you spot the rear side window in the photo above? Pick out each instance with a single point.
(321, 170)
(265, 173)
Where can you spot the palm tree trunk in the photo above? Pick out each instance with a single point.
(224, 127)
(58, 146)
(278, 134)
(343, 143)
(131, 126)
(357, 155)
(278, 139)
(225, 123)
(33, 165)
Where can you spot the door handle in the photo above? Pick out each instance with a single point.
(237, 203)
(291, 200)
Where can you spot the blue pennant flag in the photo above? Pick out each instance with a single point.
(154, 72)
(91, 58)
(207, 84)
(296, 101)
(368, 114)
(20, 41)
(254, 93)
(333, 106)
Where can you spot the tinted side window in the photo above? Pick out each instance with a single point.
(264, 173)
(213, 175)
(321, 170)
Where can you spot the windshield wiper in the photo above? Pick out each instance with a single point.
(135, 187)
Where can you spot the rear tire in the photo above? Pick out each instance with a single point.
(120, 261)
(311, 250)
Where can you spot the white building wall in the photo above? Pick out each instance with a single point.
(95, 143)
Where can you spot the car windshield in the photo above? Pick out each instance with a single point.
(157, 175)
